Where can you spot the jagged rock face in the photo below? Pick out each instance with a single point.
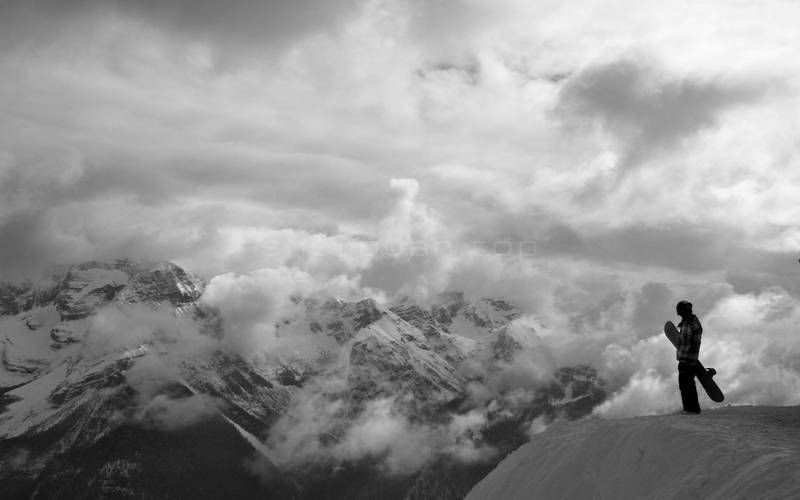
(164, 282)
(91, 444)
(62, 398)
(81, 289)
(250, 399)
(422, 319)
(505, 347)
(452, 313)
(507, 341)
(63, 334)
(491, 313)
(389, 359)
(341, 319)
(10, 296)
(87, 408)
(453, 348)
(448, 305)
(15, 299)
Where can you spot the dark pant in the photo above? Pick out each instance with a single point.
(686, 374)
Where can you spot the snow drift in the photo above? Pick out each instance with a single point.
(732, 452)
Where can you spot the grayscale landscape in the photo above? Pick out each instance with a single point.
(399, 249)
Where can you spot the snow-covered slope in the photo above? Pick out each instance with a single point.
(733, 452)
(43, 325)
(392, 357)
(507, 342)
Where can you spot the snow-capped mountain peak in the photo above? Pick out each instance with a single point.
(451, 312)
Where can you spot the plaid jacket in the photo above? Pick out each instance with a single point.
(689, 335)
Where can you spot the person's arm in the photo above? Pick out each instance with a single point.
(696, 335)
(684, 343)
(697, 330)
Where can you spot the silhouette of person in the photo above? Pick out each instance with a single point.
(690, 331)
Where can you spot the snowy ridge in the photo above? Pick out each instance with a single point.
(339, 319)
(451, 312)
(507, 341)
(392, 350)
(78, 290)
(39, 326)
(733, 452)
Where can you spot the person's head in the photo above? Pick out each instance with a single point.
(684, 308)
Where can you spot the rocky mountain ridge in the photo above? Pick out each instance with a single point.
(80, 371)
(78, 290)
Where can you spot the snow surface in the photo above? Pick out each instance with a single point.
(26, 352)
(732, 452)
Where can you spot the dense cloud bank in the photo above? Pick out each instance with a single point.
(590, 165)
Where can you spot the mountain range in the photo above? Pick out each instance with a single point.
(117, 380)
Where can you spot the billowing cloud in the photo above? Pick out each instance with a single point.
(748, 338)
(155, 403)
(170, 414)
(649, 112)
(382, 432)
(414, 251)
(253, 305)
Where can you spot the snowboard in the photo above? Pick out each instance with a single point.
(705, 376)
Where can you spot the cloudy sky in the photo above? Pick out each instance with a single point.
(593, 160)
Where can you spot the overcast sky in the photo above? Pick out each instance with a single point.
(644, 149)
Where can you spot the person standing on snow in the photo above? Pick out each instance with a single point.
(688, 351)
